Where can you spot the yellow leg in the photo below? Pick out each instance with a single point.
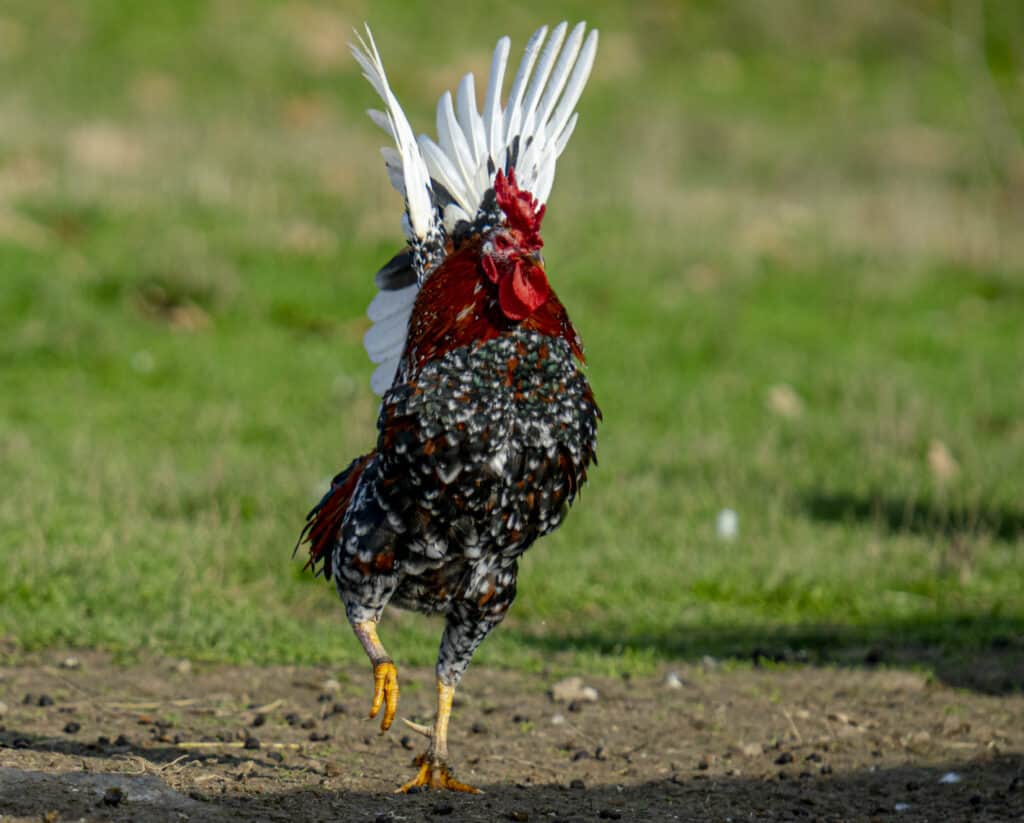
(385, 674)
(433, 766)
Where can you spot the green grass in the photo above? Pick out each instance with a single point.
(759, 195)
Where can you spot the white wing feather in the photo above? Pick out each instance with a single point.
(528, 134)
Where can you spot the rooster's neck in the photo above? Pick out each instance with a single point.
(457, 307)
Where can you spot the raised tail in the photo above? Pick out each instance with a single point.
(325, 519)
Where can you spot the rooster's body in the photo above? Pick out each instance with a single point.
(487, 425)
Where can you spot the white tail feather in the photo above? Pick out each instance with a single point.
(471, 146)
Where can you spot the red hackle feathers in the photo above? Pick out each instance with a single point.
(521, 209)
(455, 309)
(324, 521)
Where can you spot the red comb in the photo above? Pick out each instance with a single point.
(521, 208)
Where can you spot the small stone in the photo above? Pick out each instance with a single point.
(113, 796)
(609, 814)
(813, 757)
(51, 816)
(407, 743)
(72, 728)
(478, 728)
(901, 807)
(572, 689)
(825, 769)
(518, 815)
(331, 685)
(45, 700)
(183, 667)
(292, 719)
(309, 723)
(324, 698)
(277, 757)
(442, 809)
(727, 524)
(577, 784)
(949, 778)
(29, 699)
(784, 758)
(252, 743)
(580, 755)
(102, 740)
(557, 719)
(122, 741)
(319, 737)
(673, 681)
(259, 720)
(70, 663)
(752, 749)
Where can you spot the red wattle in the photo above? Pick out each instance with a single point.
(490, 269)
(522, 292)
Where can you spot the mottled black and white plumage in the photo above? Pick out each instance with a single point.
(474, 462)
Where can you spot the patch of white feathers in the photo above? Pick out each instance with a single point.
(539, 111)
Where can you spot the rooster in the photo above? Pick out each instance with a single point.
(487, 425)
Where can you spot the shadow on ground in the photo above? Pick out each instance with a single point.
(983, 654)
(983, 791)
(917, 516)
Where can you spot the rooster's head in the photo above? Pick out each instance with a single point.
(510, 254)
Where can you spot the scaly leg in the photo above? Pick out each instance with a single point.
(385, 675)
(434, 772)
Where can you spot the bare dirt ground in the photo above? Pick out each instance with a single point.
(84, 739)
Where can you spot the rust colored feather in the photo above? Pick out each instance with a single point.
(326, 517)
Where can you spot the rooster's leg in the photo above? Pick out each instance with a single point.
(433, 764)
(385, 675)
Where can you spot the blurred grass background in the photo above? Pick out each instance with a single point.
(789, 232)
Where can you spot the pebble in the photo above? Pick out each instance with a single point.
(577, 784)
(70, 663)
(443, 809)
(113, 796)
(277, 757)
(252, 743)
(557, 719)
(72, 728)
(727, 524)
(573, 690)
(407, 743)
(609, 814)
(950, 777)
(518, 815)
(783, 759)
(673, 681)
(259, 720)
(319, 737)
(45, 700)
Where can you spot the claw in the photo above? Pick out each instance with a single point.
(385, 693)
(434, 774)
(419, 728)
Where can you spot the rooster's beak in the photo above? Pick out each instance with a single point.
(537, 257)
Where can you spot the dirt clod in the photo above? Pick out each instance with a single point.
(113, 796)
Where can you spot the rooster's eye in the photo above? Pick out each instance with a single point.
(502, 243)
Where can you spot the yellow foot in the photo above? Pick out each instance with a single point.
(385, 693)
(434, 774)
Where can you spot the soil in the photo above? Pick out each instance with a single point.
(82, 738)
